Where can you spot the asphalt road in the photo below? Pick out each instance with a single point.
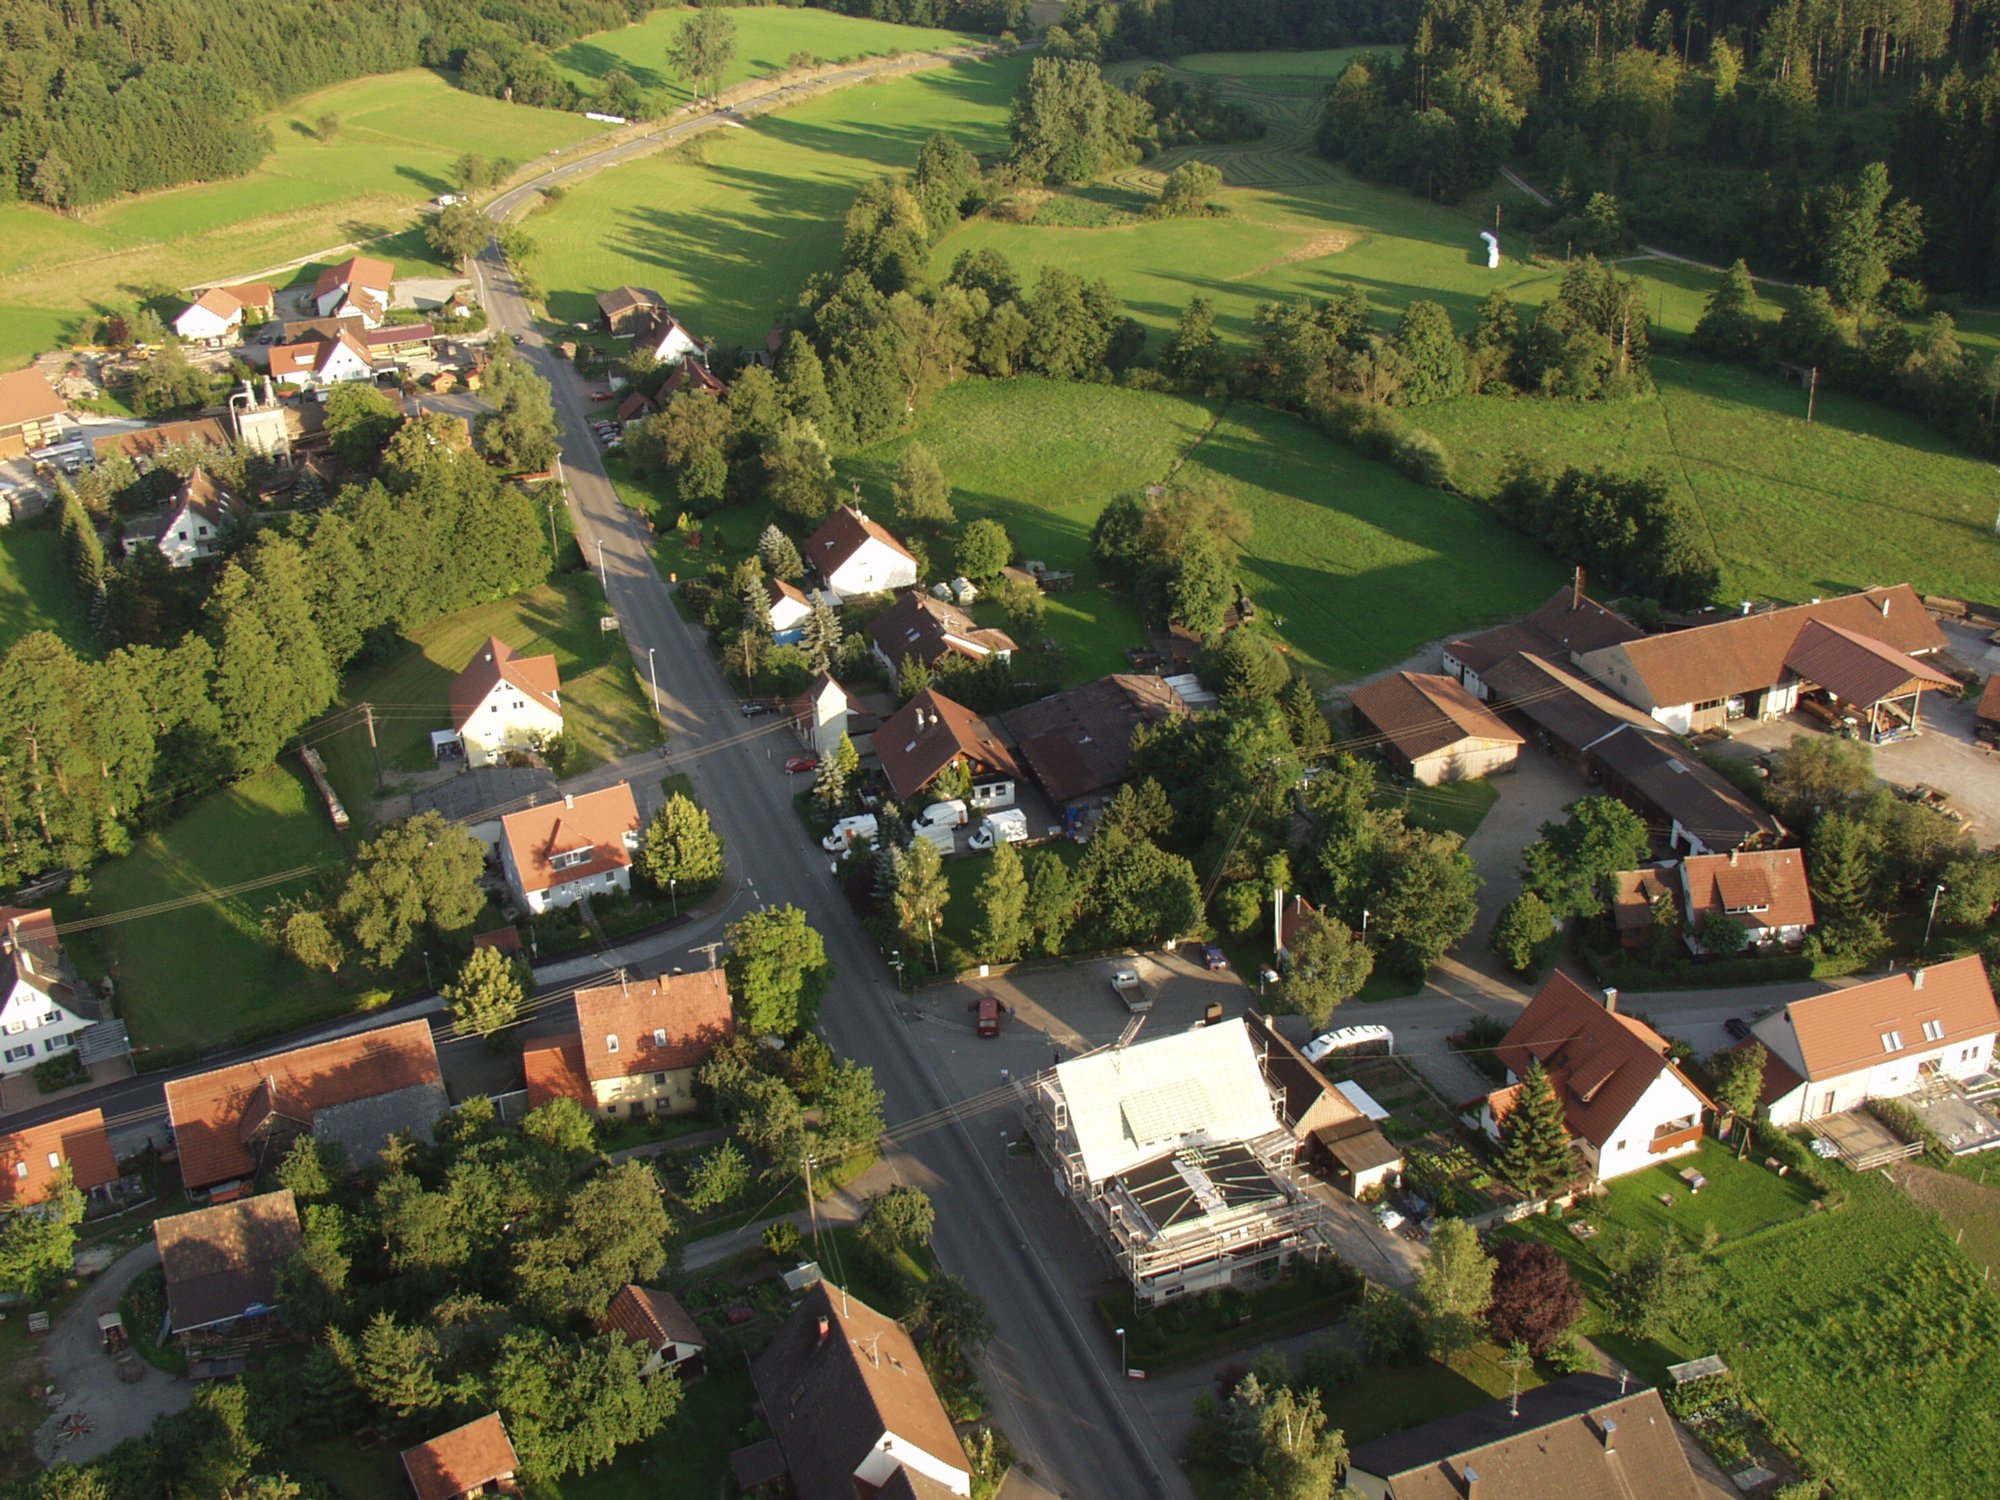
(1050, 1379)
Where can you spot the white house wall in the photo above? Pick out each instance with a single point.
(1891, 1079)
(1629, 1147)
(873, 569)
(27, 1036)
(506, 719)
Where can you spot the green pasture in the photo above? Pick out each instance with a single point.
(1261, 66)
(767, 37)
(34, 589)
(1862, 1331)
(603, 707)
(204, 974)
(729, 227)
(1865, 495)
(399, 135)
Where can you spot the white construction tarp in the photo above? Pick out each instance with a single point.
(1200, 1087)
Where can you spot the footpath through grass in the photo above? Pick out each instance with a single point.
(1863, 1333)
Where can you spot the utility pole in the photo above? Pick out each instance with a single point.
(368, 712)
(1812, 394)
(709, 949)
(812, 1205)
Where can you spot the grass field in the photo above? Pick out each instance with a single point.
(729, 228)
(34, 589)
(1865, 1336)
(203, 974)
(602, 704)
(767, 37)
(1325, 63)
(399, 135)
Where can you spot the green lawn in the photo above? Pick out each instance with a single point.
(767, 37)
(1457, 807)
(34, 588)
(729, 228)
(1325, 63)
(1862, 1332)
(603, 706)
(688, 1456)
(203, 974)
(398, 136)
(1389, 1398)
(1190, 1329)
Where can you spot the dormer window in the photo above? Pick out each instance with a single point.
(569, 859)
(611, 1042)
(1933, 1031)
(1892, 1041)
(659, 1036)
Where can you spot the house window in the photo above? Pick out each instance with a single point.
(659, 1036)
(58, 1043)
(611, 1043)
(20, 1169)
(1933, 1031)
(659, 1080)
(1619, 1147)
(16, 1054)
(55, 1160)
(51, 1019)
(1892, 1041)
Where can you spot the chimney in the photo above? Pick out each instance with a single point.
(1277, 918)
(825, 1328)
(1468, 1481)
(1746, 606)
(1608, 1430)
(1732, 856)
(1576, 589)
(1610, 997)
(1917, 979)
(569, 799)
(1885, 606)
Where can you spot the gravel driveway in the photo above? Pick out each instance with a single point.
(88, 1378)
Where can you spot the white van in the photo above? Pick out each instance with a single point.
(940, 834)
(950, 814)
(859, 829)
(1008, 827)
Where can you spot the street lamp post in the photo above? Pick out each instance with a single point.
(653, 671)
(1124, 1365)
(1364, 924)
(1936, 891)
(601, 581)
(673, 882)
(896, 963)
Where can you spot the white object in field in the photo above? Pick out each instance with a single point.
(1492, 249)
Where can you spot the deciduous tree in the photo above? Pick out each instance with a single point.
(682, 846)
(570, 1405)
(487, 996)
(1570, 864)
(38, 1246)
(1523, 926)
(702, 49)
(421, 872)
(778, 970)
(1534, 1299)
(1325, 965)
(1002, 898)
(1454, 1289)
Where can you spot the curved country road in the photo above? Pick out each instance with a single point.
(1050, 1378)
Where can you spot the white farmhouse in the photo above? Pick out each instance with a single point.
(1625, 1102)
(325, 361)
(789, 610)
(1879, 1040)
(663, 336)
(503, 701)
(581, 846)
(190, 530)
(45, 1013)
(360, 286)
(855, 555)
(212, 317)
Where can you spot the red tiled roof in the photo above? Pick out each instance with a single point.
(257, 294)
(1566, 622)
(651, 1318)
(356, 271)
(843, 534)
(638, 404)
(1763, 887)
(500, 940)
(929, 629)
(1421, 713)
(598, 821)
(1989, 701)
(1744, 653)
(777, 590)
(1633, 893)
(466, 1459)
(929, 733)
(1598, 1061)
(1854, 668)
(221, 1261)
(498, 662)
(26, 397)
(1845, 1030)
(207, 1110)
(294, 359)
(655, 1025)
(26, 1172)
(218, 301)
(554, 1067)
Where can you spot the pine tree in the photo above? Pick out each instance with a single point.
(848, 756)
(486, 997)
(82, 547)
(830, 786)
(780, 555)
(398, 1367)
(272, 672)
(682, 847)
(1729, 327)
(802, 381)
(819, 637)
(1002, 898)
(1842, 858)
(1534, 1141)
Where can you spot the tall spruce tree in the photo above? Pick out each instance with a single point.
(1004, 931)
(1534, 1141)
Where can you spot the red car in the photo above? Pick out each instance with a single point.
(602, 395)
(800, 763)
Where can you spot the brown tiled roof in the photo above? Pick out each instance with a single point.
(400, 333)
(554, 1069)
(652, 1318)
(913, 1484)
(658, 1025)
(930, 732)
(222, 303)
(200, 494)
(30, 947)
(1989, 701)
(1598, 1061)
(1764, 887)
(690, 372)
(318, 330)
(500, 940)
(150, 442)
(223, 1260)
(1301, 1082)
(1744, 653)
(599, 820)
(1845, 1030)
(930, 629)
(1678, 785)
(345, 340)
(26, 397)
(1578, 1438)
(355, 272)
(842, 535)
(830, 1398)
(497, 662)
(636, 405)
(1633, 893)
(465, 1459)
(776, 589)
(802, 706)
(1855, 668)
(1078, 742)
(626, 299)
(1566, 622)
(79, 1140)
(1555, 698)
(257, 294)
(208, 1109)
(1421, 713)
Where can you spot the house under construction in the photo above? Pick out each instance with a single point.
(1177, 1154)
